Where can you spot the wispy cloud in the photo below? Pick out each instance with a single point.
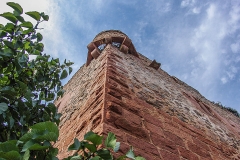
(187, 3)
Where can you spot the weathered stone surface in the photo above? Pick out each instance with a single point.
(159, 115)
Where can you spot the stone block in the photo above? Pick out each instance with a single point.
(114, 108)
(173, 137)
(124, 49)
(152, 119)
(132, 118)
(153, 128)
(185, 153)
(198, 150)
(142, 144)
(166, 155)
(155, 64)
(95, 53)
(163, 143)
(129, 127)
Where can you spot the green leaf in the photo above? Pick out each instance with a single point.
(16, 7)
(111, 140)
(23, 86)
(53, 151)
(116, 148)
(34, 14)
(8, 43)
(18, 44)
(23, 60)
(37, 146)
(75, 146)
(64, 74)
(9, 69)
(8, 146)
(34, 36)
(139, 158)
(11, 155)
(3, 107)
(33, 145)
(56, 60)
(39, 37)
(94, 138)
(9, 91)
(26, 155)
(96, 158)
(35, 52)
(70, 70)
(50, 126)
(79, 157)
(27, 24)
(39, 46)
(91, 147)
(49, 136)
(20, 18)
(9, 16)
(42, 131)
(11, 122)
(130, 153)
(3, 33)
(26, 45)
(45, 17)
(26, 137)
(27, 31)
(122, 157)
(9, 26)
(50, 97)
(105, 154)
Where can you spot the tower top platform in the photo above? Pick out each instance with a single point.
(109, 33)
(114, 37)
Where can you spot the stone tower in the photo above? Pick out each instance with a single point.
(121, 91)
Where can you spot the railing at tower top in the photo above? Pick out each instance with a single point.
(116, 38)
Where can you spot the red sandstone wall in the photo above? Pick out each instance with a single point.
(150, 111)
(160, 116)
(81, 105)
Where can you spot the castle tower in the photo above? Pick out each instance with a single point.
(121, 91)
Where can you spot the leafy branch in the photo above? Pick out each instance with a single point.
(28, 86)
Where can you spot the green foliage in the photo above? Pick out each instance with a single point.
(27, 85)
(35, 144)
(90, 149)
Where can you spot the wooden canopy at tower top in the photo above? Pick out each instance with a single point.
(110, 37)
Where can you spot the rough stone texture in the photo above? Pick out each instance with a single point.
(157, 114)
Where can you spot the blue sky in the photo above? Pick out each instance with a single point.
(197, 41)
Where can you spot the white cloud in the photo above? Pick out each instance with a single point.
(234, 14)
(158, 6)
(27, 5)
(192, 6)
(207, 44)
(235, 47)
(196, 10)
(53, 37)
(211, 11)
(232, 72)
(224, 80)
(167, 7)
(237, 59)
(186, 3)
